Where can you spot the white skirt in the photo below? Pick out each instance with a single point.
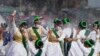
(2, 51)
(75, 50)
(16, 49)
(54, 49)
(31, 48)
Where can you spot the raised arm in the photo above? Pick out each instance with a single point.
(13, 18)
(12, 26)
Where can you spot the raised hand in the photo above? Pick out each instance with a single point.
(13, 16)
(14, 13)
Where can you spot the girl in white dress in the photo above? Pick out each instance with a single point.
(88, 48)
(16, 48)
(33, 37)
(53, 47)
(95, 32)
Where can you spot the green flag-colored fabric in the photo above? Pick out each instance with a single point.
(24, 42)
(39, 53)
(87, 32)
(91, 53)
(36, 32)
(55, 32)
(37, 41)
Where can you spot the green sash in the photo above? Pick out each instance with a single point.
(87, 32)
(54, 31)
(24, 42)
(91, 53)
(39, 38)
(36, 32)
(39, 53)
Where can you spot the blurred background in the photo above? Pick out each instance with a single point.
(76, 10)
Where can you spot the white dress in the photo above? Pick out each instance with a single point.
(92, 35)
(74, 50)
(99, 41)
(16, 48)
(86, 51)
(31, 44)
(53, 48)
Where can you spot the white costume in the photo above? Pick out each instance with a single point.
(99, 40)
(86, 51)
(92, 35)
(66, 33)
(74, 47)
(82, 34)
(32, 49)
(53, 47)
(16, 48)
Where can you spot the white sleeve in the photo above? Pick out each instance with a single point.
(96, 47)
(44, 38)
(84, 49)
(32, 48)
(63, 35)
(82, 34)
(13, 28)
(68, 32)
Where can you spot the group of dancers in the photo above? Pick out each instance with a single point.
(60, 40)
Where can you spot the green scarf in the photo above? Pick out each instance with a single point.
(24, 42)
(36, 32)
(55, 32)
(39, 38)
(87, 32)
(91, 53)
(39, 53)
